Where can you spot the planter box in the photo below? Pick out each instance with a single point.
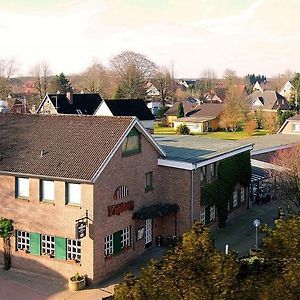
(76, 285)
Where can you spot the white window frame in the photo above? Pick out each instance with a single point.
(109, 245)
(148, 231)
(75, 198)
(235, 199)
(23, 240)
(203, 174)
(48, 244)
(242, 194)
(22, 187)
(125, 237)
(48, 186)
(74, 250)
(296, 127)
(213, 169)
(202, 214)
(212, 213)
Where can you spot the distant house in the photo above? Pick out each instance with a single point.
(204, 118)
(154, 107)
(257, 87)
(290, 126)
(286, 90)
(127, 107)
(3, 106)
(20, 106)
(267, 101)
(69, 103)
(217, 96)
(152, 91)
(189, 105)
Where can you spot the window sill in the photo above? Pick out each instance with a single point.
(73, 205)
(23, 198)
(47, 202)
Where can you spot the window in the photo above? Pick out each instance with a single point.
(202, 174)
(23, 241)
(125, 238)
(121, 192)
(74, 250)
(22, 187)
(202, 214)
(73, 193)
(148, 184)
(212, 213)
(132, 143)
(296, 127)
(109, 245)
(48, 245)
(47, 190)
(242, 194)
(235, 199)
(213, 168)
(228, 205)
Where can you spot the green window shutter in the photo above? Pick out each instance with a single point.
(35, 243)
(207, 214)
(60, 247)
(117, 237)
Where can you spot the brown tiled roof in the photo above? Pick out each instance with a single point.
(72, 147)
(208, 110)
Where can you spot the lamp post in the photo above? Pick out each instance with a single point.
(256, 224)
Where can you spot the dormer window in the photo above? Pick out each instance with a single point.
(132, 143)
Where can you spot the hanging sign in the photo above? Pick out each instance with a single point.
(80, 229)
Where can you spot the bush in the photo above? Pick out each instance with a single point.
(183, 129)
(161, 111)
(250, 127)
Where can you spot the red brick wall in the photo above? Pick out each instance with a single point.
(56, 219)
(131, 172)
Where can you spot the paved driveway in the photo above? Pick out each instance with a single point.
(239, 233)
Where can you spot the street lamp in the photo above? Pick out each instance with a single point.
(256, 224)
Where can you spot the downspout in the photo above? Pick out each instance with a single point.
(192, 196)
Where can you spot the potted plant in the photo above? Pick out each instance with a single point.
(77, 282)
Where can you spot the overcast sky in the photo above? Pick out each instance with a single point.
(249, 36)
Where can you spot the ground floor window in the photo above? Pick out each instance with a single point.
(108, 245)
(74, 250)
(212, 213)
(125, 238)
(23, 241)
(235, 199)
(202, 214)
(48, 244)
(242, 194)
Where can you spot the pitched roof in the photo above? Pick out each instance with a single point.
(269, 99)
(130, 107)
(208, 110)
(58, 146)
(86, 103)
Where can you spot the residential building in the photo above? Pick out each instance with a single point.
(287, 90)
(204, 118)
(127, 107)
(257, 87)
(290, 126)
(267, 101)
(55, 168)
(69, 103)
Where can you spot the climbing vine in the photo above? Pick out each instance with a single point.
(233, 170)
(6, 231)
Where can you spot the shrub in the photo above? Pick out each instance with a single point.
(162, 111)
(250, 127)
(183, 129)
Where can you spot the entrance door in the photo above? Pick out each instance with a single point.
(148, 232)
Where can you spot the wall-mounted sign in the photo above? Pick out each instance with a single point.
(80, 229)
(116, 209)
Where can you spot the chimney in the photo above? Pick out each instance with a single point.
(70, 96)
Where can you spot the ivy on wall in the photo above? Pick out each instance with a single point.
(231, 171)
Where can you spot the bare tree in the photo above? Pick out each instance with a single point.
(8, 68)
(206, 85)
(42, 76)
(288, 178)
(97, 79)
(164, 84)
(133, 71)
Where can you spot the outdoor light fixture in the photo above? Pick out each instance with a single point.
(256, 224)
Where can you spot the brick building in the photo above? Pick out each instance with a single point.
(55, 169)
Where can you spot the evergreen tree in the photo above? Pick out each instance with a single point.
(180, 111)
(62, 83)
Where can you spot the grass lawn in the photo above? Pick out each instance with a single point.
(217, 134)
